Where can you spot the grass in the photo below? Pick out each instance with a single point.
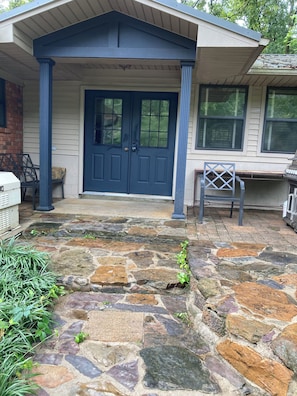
(27, 292)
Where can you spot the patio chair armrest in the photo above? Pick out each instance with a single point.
(241, 183)
(202, 183)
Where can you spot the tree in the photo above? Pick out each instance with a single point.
(276, 20)
(9, 5)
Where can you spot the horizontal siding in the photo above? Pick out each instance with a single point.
(66, 118)
(66, 130)
(253, 127)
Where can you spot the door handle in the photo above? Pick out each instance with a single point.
(134, 147)
(126, 148)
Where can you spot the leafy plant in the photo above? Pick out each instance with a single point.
(80, 337)
(182, 260)
(184, 317)
(89, 236)
(27, 291)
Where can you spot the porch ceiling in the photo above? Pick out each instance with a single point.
(214, 64)
(27, 68)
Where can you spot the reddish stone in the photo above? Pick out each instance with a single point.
(265, 301)
(268, 374)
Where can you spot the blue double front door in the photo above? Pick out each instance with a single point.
(129, 142)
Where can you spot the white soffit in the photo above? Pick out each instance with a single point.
(215, 36)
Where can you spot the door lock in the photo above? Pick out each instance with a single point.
(134, 147)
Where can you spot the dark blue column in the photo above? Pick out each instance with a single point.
(185, 100)
(45, 133)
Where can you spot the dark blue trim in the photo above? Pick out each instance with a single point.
(45, 134)
(185, 101)
(184, 9)
(115, 36)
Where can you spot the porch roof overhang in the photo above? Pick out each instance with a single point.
(224, 50)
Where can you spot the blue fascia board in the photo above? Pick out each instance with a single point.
(184, 9)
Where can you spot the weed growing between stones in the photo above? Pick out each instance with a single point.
(89, 236)
(183, 317)
(182, 260)
(27, 291)
(80, 337)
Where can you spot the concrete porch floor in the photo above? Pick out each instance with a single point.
(134, 208)
(259, 226)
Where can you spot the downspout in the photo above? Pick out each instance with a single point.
(185, 101)
(45, 134)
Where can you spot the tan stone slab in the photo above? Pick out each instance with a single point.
(227, 252)
(110, 275)
(249, 246)
(286, 279)
(115, 246)
(115, 326)
(51, 376)
(138, 298)
(251, 330)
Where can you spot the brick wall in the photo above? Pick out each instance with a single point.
(11, 137)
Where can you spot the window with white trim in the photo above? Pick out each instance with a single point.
(221, 117)
(2, 104)
(280, 125)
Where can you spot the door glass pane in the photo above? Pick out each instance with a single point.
(108, 121)
(154, 123)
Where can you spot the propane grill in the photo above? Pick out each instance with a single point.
(291, 171)
(290, 209)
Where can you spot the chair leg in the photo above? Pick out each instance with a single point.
(231, 210)
(241, 204)
(33, 198)
(201, 210)
(240, 218)
(23, 194)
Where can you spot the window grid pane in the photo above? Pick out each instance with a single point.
(280, 126)
(221, 117)
(108, 121)
(154, 123)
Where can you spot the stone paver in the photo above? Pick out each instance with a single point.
(232, 332)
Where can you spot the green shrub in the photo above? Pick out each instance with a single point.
(27, 290)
